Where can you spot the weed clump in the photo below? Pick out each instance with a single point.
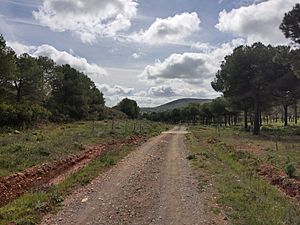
(290, 169)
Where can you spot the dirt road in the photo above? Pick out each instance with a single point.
(152, 185)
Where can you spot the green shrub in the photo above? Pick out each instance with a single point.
(107, 160)
(290, 169)
(56, 197)
(22, 114)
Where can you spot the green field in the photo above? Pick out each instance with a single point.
(51, 142)
(228, 160)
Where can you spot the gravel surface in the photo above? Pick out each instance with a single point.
(153, 185)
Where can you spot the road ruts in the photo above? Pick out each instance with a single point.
(153, 185)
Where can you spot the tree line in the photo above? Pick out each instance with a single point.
(255, 80)
(33, 89)
(220, 111)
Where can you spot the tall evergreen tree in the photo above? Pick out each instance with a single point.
(290, 25)
(247, 73)
(7, 70)
(73, 95)
(28, 80)
(286, 88)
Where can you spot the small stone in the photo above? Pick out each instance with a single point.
(85, 200)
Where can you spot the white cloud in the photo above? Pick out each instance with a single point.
(136, 55)
(203, 47)
(188, 74)
(87, 19)
(257, 22)
(20, 48)
(169, 30)
(115, 90)
(59, 57)
(162, 91)
(62, 57)
(113, 94)
(189, 67)
(178, 90)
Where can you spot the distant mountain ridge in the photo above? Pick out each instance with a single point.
(179, 103)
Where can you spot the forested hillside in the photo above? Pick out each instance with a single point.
(179, 103)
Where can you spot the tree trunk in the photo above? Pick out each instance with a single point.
(296, 114)
(18, 88)
(256, 125)
(246, 119)
(285, 107)
(235, 120)
(260, 119)
(18, 94)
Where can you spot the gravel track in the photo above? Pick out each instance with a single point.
(153, 185)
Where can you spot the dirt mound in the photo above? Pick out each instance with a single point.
(17, 184)
(289, 186)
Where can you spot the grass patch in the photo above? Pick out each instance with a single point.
(216, 210)
(37, 146)
(246, 198)
(276, 145)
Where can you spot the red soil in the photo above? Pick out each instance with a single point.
(17, 184)
(290, 186)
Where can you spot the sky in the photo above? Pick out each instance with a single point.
(149, 51)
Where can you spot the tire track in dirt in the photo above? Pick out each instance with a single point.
(152, 185)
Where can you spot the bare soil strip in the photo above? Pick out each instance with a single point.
(17, 184)
(289, 186)
(152, 185)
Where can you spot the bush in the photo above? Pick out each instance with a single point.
(23, 114)
(290, 169)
